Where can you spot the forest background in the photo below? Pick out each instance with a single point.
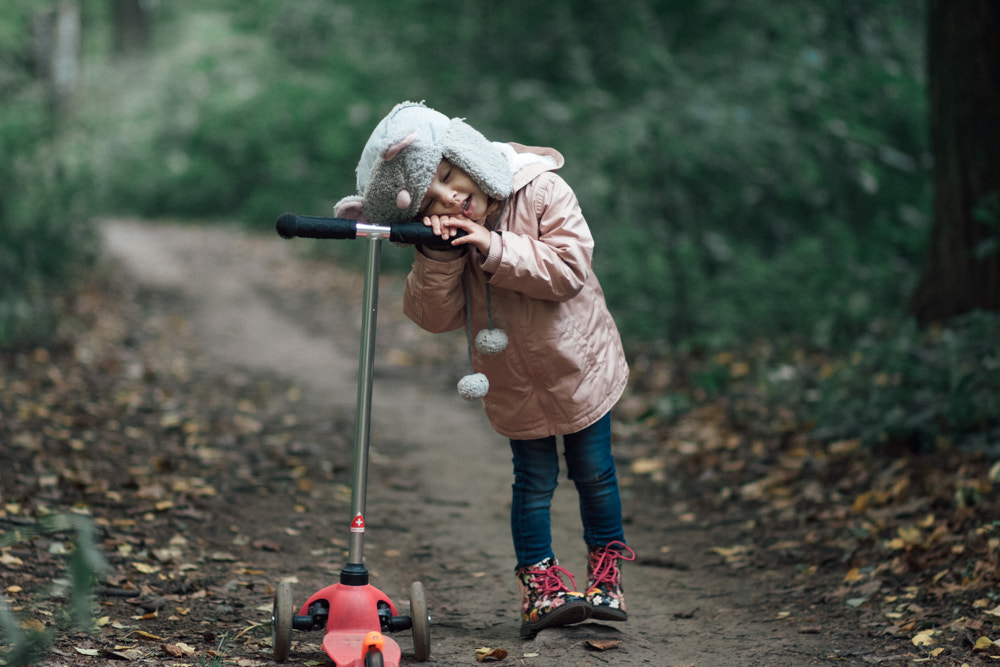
(757, 174)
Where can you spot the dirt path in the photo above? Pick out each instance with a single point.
(439, 482)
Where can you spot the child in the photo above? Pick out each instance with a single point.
(548, 356)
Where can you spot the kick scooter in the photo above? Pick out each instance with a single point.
(354, 613)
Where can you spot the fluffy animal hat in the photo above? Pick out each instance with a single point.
(403, 153)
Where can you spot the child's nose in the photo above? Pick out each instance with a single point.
(447, 196)
(451, 198)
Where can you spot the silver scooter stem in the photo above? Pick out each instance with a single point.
(362, 427)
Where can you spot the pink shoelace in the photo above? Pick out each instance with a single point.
(604, 563)
(549, 580)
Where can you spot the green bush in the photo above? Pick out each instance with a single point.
(221, 123)
(748, 171)
(916, 389)
(84, 563)
(45, 232)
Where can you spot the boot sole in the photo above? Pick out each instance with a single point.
(573, 612)
(604, 614)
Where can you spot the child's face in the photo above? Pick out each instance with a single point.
(452, 192)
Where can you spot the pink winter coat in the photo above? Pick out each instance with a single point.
(564, 366)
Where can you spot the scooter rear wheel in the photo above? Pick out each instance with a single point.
(374, 659)
(281, 622)
(421, 622)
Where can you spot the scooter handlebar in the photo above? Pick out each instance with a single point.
(290, 226)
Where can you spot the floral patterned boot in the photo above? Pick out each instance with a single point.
(547, 601)
(604, 581)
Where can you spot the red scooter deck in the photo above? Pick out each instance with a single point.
(353, 614)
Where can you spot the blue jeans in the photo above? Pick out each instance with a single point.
(590, 465)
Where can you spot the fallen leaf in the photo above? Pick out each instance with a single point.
(648, 466)
(166, 555)
(730, 552)
(924, 638)
(909, 534)
(603, 644)
(223, 557)
(86, 651)
(487, 654)
(122, 653)
(982, 644)
(145, 568)
(32, 624)
(10, 561)
(149, 636)
(151, 492)
(266, 545)
(178, 650)
(844, 446)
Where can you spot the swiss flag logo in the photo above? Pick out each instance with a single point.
(358, 525)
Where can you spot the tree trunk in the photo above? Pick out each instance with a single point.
(57, 42)
(131, 20)
(962, 272)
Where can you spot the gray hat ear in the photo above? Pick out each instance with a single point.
(395, 149)
(350, 208)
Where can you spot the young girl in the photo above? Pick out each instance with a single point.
(548, 357)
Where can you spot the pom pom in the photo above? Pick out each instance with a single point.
(403, 199)
(491, 341)
(474, 386)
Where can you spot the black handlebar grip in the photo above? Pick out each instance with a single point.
(416, 233)
(290, 225)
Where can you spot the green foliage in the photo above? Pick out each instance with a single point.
(83, 563)
(232, 127)
(904, 387)
(748, 169)
(25, 647)
(45, 235)
(804, 155)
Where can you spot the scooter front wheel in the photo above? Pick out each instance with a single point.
(421, 622)
(281, 622)
(374, 659)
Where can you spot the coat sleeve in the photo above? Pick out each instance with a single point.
(434, 294)
(550, 256)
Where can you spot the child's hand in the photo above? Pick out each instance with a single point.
(447, 227)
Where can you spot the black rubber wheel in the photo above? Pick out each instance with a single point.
(281, 622)
(374, 659)
(421, 622)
